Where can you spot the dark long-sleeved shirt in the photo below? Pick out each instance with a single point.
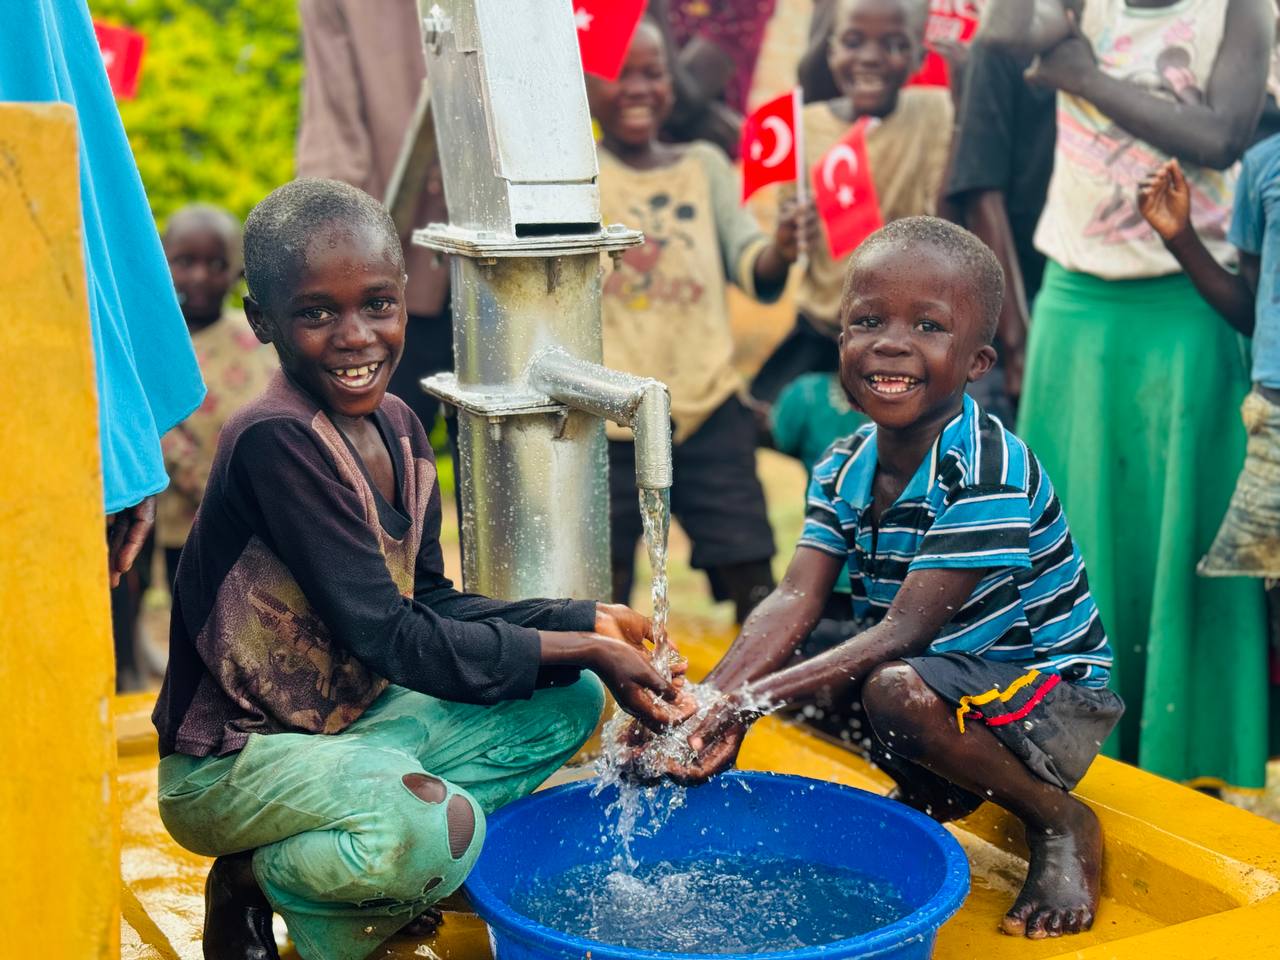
(302, 593)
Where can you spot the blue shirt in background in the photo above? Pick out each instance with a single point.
(146, 369)
(1255, 229)
(980, 499)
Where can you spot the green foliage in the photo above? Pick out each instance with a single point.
(216, 115)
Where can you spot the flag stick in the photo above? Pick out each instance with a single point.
(802, 180)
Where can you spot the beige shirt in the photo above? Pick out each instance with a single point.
(907, 152)
(364, 71)
(666, 314)
(236, 368)
(1091, 222)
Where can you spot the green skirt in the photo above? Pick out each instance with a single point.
(1130, 402)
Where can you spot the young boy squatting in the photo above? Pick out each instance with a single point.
(983, 673)
(336, 720)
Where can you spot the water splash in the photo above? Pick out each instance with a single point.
(640, 810)
(748, 903)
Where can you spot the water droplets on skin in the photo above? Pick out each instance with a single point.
(713, 904)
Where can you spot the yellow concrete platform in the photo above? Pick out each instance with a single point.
(1185, 875)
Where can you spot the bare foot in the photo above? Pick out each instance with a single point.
(1060, 895)
(237, 917)
(424, 924)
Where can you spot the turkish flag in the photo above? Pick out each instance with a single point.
(844, 192)
(769, 148)
(605, 28)
(122, 56)
(955, 20)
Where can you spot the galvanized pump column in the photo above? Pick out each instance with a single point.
(525, 238)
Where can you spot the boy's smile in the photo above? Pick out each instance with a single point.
(911, 337)
(631, 109)
(339, 329)
(875, 48)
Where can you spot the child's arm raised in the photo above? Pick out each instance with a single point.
(1164, 198)
(755, 264)
(1210, 131)
(926, 602)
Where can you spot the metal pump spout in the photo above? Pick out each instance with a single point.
(527, 262)
(641, 403)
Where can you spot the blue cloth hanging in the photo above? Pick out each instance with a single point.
(148, 380)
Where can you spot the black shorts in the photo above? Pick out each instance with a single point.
(716, 494)
(1055, 727)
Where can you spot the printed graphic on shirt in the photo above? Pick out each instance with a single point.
(274, 654)
(656, 273)
(1101, 150)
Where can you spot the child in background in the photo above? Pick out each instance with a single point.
(202, 245)
(874, 49)
(1248, 543)
(983, 674)
(336, 720)
(666, 316)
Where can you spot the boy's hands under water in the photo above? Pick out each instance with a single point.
(623, 666)
(714, 745)
(715, 742)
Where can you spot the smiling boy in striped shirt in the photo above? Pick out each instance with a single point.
(982, 664)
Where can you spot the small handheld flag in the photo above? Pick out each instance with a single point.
(770, 147)
(844, 192)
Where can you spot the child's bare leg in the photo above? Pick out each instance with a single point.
(1060, 895)
(237, 916)
(921, 789)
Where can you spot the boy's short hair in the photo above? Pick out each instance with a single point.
(964, 249)
(280, 227)
(917, 10)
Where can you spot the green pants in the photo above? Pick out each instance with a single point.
(344, 850)
(1130, 403)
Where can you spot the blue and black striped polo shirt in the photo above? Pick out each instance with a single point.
(980, 499)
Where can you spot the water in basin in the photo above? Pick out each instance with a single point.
(712, 905)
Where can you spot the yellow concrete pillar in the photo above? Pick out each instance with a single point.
(59, 836)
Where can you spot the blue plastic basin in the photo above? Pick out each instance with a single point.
(782, 816)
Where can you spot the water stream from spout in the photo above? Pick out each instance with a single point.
(639, 809)
(655, 514)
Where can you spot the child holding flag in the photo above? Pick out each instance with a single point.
(899, 137)
(666, 316)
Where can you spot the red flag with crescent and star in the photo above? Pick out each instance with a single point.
(769, 147)
(605, 28)
(844, 192)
